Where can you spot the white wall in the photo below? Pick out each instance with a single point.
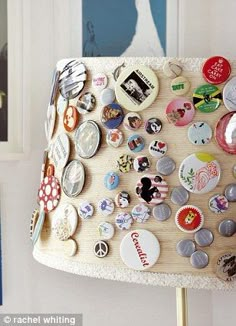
(31, 287)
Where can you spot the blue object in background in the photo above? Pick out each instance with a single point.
(109, 25)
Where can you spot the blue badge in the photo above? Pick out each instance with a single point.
(111, 180)
(136, 143)
(112, 116)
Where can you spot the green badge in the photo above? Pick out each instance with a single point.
(207, 98)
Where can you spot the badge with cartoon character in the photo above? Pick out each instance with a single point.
(141, 163)
(153, 126)
(112, 116)
(152, 189)
(125, 163)
(132, 121)
(122, 199)
(189, 219)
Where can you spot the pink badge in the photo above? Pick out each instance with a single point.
(180, 112)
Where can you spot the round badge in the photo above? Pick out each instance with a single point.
(204, 237)
(185, 247)
(136, 88)
(38, 226)
(112, 116)
(125, 163)
(216, 70)
(136, 143)
(157, 148)
(132, 121)
(107, 96)
(122, 199)
(106, 230)
(234, 171)
(141, 213)
(139, 249)
(50, 122)
(111, 180)
(225, 132)
(200, 133)
(70, 247)
(99, 81)
(85, 210)
(153, 126)
(124, 221)
(72, 79)
(226, 267)
(218, 204)
(227, 228)
(199, 259)
(86, 103)
(64, 222)
(207, 98)
(152, 189)
(49, 193)
(230, 192)
(101, 249)
(106, 206)
(180, 112)
(165, 165)
(179, 196)
(70, 118)
(229, 94)
(114, 137)
(172, 68)
(62, 104)
(189, 219)
(161, 212)
(141, 163)
(199, 173)
(61, 150)
(180, 85)
(87, 139)
(73, 178)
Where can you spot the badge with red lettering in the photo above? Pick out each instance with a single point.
(216, 70)
(139, 249)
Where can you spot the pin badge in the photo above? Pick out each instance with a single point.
(73, 178)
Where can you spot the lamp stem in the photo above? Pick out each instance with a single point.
(182, 307)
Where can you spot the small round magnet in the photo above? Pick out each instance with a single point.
(179, 196)
(99, 81)
(112, 116)
(86, 103)
(180, 85)
(199, 173)
(122, 199)
(199, 259)
(136, 143)
(72, 79)
(207, 98)
(185, 247)
(107, 96)
(165, 165)
(157, 148)
(153, 126)
(87, 139)
(141, 163)
(218, 204)
(216, 70)
(124, 221)
(73, 178)
(227, 227)
(85, 210)
(111, 180)
(106, 230)
(70, 118)
(230, 192)
(141, 213)
(151, 189)
(189, 219)
(199, 133)
(106, 206)
(172, 68)
(161, 212)
(114, 137)
(132, 121)
(204, 237)
(225, 132)
(229, 94)
(180, 112)
(125, 163)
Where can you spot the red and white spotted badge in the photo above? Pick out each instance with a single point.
(49, 193)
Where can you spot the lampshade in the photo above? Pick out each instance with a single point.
(136, 151)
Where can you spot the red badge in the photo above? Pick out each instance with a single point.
(71, 118)
(189, 219)
(49, 193)
(216, 70)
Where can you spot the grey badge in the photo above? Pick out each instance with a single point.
(73, 178)
(199, 259)
(165, 165)
(227, 228)
(230, 192)
(179, 196)
(204, 237)
(161, 212)
(185, 247)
